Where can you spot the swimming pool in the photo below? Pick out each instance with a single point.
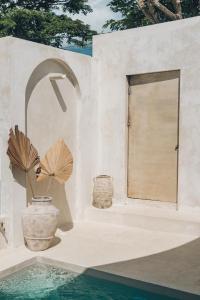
(45, 282)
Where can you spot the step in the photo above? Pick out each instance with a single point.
(151, 219)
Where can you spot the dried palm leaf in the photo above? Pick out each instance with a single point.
(21, 152)
(58, 163)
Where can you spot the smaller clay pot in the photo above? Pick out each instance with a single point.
(39, 221)
(103, 191)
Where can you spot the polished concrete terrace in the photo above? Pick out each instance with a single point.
(162, 258)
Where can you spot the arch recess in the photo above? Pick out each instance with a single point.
(46, 67)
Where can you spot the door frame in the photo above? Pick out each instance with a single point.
(178, 135)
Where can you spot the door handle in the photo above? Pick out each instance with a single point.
(129, 122)
(176, 148)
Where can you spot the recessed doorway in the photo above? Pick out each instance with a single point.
(153, 117)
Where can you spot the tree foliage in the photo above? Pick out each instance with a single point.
(143, 12)
(36, 20)
(72, 6)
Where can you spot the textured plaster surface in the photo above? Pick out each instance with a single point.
(169, 259)
(91, 115)
(163, 47)
(47, 112)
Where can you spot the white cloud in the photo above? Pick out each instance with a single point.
(101, 13)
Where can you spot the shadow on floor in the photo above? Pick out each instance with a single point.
(178, 268)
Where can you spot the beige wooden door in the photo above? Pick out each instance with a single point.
(153, 136)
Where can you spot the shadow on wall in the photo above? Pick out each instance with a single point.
(46, 67)
(43, 69)
(19, 175)
(50, 187)
(59, 95)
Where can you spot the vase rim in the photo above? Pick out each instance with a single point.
(103, 176)
(41, 199)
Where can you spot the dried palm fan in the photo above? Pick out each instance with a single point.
(57, 163)
(21, 152)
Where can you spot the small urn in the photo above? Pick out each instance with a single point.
(103, 191)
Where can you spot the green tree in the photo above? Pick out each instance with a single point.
(72, 6)
(37, 21)
(143, 12)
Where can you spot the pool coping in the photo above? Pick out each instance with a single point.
(94, 272)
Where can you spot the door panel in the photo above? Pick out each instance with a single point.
(153, 136)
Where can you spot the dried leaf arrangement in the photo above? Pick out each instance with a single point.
(22, 153)
(57, 163)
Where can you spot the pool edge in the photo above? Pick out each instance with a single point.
(94, 272)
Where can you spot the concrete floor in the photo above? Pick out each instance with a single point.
(167, 259)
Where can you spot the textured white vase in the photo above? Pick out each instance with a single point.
(39, 223)
(103, 191)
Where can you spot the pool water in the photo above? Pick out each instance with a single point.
(44, 282)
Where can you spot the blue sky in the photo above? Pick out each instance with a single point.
(101, 13)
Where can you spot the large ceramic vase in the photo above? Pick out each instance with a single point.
(39, 223)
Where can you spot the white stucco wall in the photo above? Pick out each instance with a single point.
(168, 46)
(94, 123)
(8, 186)
(17, 68)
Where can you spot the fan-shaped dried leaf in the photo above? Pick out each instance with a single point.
(58, 162)
(21, 152)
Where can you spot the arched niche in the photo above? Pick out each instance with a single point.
(45, 69)
(51, 113)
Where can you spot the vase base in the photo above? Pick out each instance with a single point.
(102, 204)
(38, 244)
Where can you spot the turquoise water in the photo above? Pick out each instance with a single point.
(87, 50)
(42, 282)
